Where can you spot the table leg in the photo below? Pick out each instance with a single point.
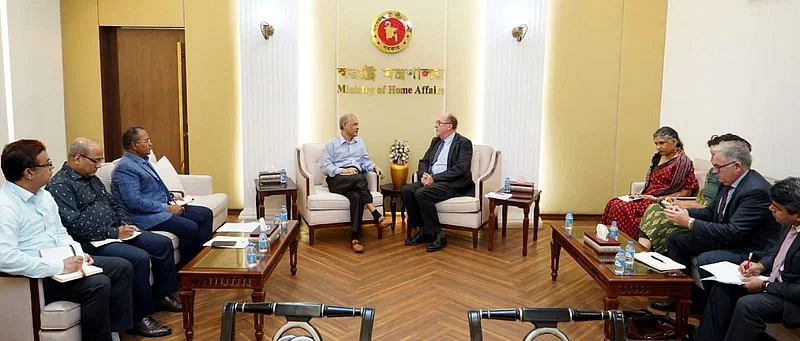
(491, 224)
(293, 254)
(609, 303)
(555, 256)
(259, 201)
(403, 211)
(187, 301)
(505, 219)
(681, 317)
(393, 206)
(525, 226)
(293, 212)
(258, 319)
(535, 221)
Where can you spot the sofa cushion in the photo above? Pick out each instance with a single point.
(459, 205)
(322, 199)
(72, 334)
(61, 315)
(173, 238)
(169, 175)
(217, 202)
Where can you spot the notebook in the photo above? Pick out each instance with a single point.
(62, 252)
(103, 242)
(726, 272)
(658, 261)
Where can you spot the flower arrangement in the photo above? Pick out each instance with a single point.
(399, 152)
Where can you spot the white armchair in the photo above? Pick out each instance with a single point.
(472, 213)
(26, 317)
(317, 205)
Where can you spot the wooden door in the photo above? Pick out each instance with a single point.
(143, 85)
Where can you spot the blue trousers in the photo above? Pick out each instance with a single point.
(141, 251)
(193, 229)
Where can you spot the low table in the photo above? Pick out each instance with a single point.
(216, 268)
(388, 190)
(524, 201)
(644, 282)
(289, 189)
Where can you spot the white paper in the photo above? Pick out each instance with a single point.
(602, 232)
(185, 200)
(238, 227)
(100, 243)
(62, 252)
(726, 272)
(241, 242)
(658, 261)
(628, 198)
(500, 196)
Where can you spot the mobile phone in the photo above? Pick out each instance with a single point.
(223, 243)
(660, 203)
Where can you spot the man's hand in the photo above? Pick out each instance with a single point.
(175, 209)
(648, 197)
(72, 264)
(753, 284)
(126, 231)
(89, 259)
(677, 215)
(426, 180)
(754, 269)
(379, 171)
(349, 171)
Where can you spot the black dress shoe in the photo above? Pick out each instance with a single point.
(169, 303)
(438, 243)
(148, 327)
(665, 305)
(418, 239)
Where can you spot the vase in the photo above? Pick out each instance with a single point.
(399, 175)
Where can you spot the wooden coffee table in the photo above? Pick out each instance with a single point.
(523, 201)
(644, 282)
(227, 269)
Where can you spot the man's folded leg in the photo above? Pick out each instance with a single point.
(189, 235)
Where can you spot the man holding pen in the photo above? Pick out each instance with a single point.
(742, 312)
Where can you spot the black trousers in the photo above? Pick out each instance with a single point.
(421, 205)
(355, 188)
(193, 229)
(105, 298)
(684, 244)
(734, 314)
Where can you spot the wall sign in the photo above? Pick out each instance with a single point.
(391, 32)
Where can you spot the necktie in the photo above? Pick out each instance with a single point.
(436, 156)
(780, 259)
(722, 201)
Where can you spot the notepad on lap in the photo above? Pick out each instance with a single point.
(184, 201)
(658, 261)
(62, 252)
(103, 242)
(726, 272)
(628, 198)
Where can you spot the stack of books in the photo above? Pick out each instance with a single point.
(605, 250)
(266, 178)
(522, 187)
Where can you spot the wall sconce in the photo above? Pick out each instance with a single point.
(519, 32)
(267, 30)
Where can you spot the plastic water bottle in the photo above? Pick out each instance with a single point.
(619, 262)
(507, 186)
(568, 222)
(251, 256)
(613, 232)
(284, 218)
(629, 252)
(277, 222)
(283, 175)
(263, 242)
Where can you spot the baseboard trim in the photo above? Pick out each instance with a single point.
(595, 217)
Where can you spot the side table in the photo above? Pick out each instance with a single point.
(524, 201)
(289, 189)
(394, 193)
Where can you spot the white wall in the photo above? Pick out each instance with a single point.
(6, 118)
(734, 66)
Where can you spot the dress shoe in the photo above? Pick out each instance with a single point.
(418, 239)
(148, 327)
(438, 243)
(665, 305)
(169, 303)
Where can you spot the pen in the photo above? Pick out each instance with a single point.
(656, 258)
(73, 250)
(747, 265)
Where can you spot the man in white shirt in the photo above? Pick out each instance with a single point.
(31, 222)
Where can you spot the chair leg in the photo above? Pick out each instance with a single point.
(475, 239)
(311, 235)
(380, 231)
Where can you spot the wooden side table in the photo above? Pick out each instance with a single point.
(523, 201)
(393, 194)
(289, 189)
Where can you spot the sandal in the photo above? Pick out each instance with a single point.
(384, 222)
(355, 244)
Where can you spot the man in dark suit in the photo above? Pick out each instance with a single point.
(742, 312)
(737, 223)
(444, 173)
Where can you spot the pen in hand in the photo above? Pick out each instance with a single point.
(747, 265)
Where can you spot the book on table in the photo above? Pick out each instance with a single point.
(62, 252)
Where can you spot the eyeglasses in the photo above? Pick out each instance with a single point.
(438, 123)
(95, 161)
(722, 166)
(48, 164)
(142, 141)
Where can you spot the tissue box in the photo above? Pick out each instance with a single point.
(598, 245)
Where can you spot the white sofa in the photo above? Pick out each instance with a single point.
(317, 205)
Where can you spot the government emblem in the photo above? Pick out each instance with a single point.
(391, 32)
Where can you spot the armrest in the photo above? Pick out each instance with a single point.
(637, 187)
(24, 298)
(196, 184)
(302, 176)
(372, 181)
(489, 181)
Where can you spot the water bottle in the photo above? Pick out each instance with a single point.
(568, 222)
(629, 252)
(250, 255)
(283, 175)
(619, 262)
(263, 242)
(613, 232)
(277, 222)
(284, 218)
(507, 186)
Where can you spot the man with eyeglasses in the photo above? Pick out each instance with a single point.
(737, 223)
(30, 223)
(444, 172)
(90, 214)
(136, 185)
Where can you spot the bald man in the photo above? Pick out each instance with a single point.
(89, 213)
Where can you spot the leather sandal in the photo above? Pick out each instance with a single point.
(384, 222)
(355, 244)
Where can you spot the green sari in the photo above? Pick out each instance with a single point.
(657, 227)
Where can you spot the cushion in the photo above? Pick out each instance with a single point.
(459, 205)
(171, 237)
(72, 334)
(168, 174)
(312, 153)
(217, 202)
(61, 315)
(322, 199)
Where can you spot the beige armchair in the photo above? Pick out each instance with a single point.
(317, 205)
(472, 213)
(26, 317)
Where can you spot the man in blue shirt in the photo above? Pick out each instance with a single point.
(30, 223)
(137, 186)
(344, 162)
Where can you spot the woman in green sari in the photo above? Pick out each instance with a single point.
(655, 227)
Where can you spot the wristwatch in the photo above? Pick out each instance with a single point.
(764, 286)
(691, 222)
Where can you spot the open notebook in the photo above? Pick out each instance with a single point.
(62, 252)
(726, 272)
(100, 243)
(658, 261)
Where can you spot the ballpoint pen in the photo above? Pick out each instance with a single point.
(747, 265)
(652, 255)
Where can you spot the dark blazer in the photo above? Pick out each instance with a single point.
(789, 289)
(747, 224)
(459, 163)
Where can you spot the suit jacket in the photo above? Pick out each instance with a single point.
(141, 192)
(459, 163)
(789, 289)
(747, 223)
